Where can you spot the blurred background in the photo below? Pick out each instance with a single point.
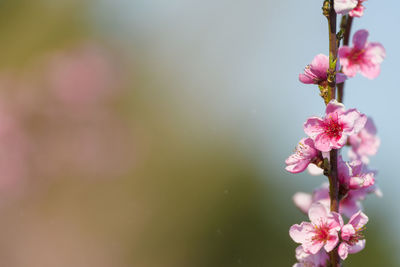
(153, 133)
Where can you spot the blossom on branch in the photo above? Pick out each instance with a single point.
(365, 143)
(332, 131)
(304, 154)
(363, 57)
(305, 259)
(322, 231)
(351, 234)
(317, 72)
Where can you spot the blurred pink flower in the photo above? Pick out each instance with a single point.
(363, 57)
(358, 11)
(82, 76)
(365, 143)
(305, 259)
(350, 203)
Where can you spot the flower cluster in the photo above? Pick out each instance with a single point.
(337, 128)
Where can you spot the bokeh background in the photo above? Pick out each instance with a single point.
(153, 133)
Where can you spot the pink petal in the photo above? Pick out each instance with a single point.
(315, 170)
(350, 70)
(321, 192)
(360, 39)
(339, 143)
(301, 254)
(344, 6)
(357, 247)
(349, 206)
(357, 12)
(316, 212)
(347, 232)
(343, 250)
(335, 221)
(303, 201)
(306, 79)
(313, 247)
(334, 106)
(332, 242)
(360, 122)
(375, 52)
(319, 66)
(344, 52)
(353, 121)
(313, 127)
(358, 220)
(323, 142)
(295, 165)
(363, 181)
(370, 71)
(301, 233)
(370, 126)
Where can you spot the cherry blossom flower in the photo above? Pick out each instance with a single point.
(332, 131)
(360, 178)
(349, 204)
(358, 11)
(365, 143)
(316, 72)
(344, 6)
(304, 154)
(354, 175)
(363, 57)
(322, 231)
(305, 259)
(351, 234)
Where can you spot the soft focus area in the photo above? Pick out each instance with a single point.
(151, 133)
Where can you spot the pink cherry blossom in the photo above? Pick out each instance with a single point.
(350, 203)
(365, 143)
(316, 72)
(354, 175)
(314, 170)
(351, 234)
(303, 201)
(360, 177)
(363, 57)
(305, 259)
(344, 6)
(304, 154)
(332, 131)
(322, 231)
(358, 11)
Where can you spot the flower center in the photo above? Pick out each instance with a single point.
(356, 56)
(321, 233)
(357, 236)
(333, 128)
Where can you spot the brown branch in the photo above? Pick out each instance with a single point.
(329, 12)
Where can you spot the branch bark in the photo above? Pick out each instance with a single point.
(329, 12)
